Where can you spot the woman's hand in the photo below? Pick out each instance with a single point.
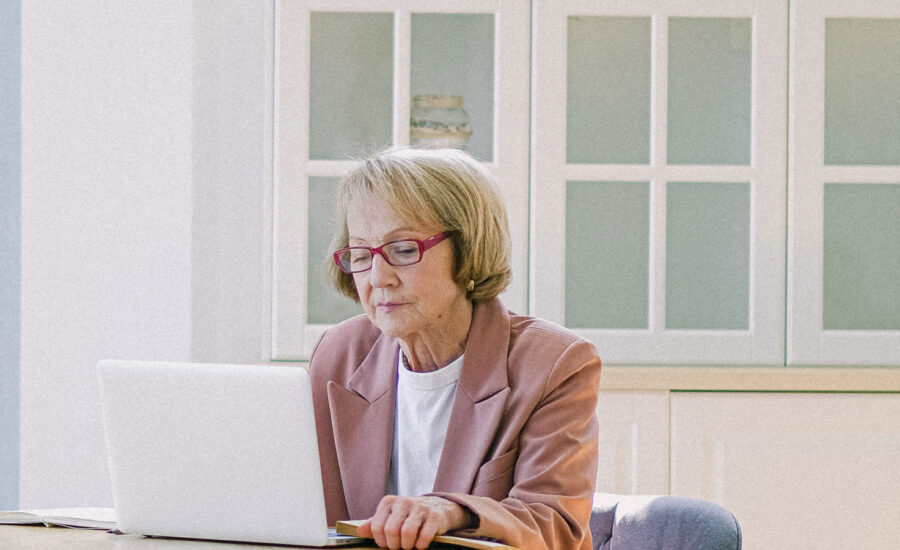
(411, 522)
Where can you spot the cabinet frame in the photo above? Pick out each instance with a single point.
(807, 341)
(292, 336)
(763, 342)
(786, 232)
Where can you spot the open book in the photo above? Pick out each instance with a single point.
(83, 518)
(349, 528)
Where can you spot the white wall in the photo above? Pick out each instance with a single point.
(10, 272)
(232, 166)
(106, 221)
(144, 211)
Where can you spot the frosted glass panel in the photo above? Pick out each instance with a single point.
(862, 103)
(861, 283)
(607, 254)
(709, 91)
(707, 255)
(453, 54)
(351, 82)
(608, 90)
(325, 305)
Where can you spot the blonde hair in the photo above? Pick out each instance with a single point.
(445, 187)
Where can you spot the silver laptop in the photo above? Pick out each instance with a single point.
(210, 451)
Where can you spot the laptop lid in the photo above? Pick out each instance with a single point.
(212, 451)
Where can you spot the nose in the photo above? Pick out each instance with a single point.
(381, 274)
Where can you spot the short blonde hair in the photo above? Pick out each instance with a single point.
(445, 187)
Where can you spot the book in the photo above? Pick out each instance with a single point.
(349, 527)
(342, 539)
(78, 518)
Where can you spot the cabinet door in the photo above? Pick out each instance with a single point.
(658, 165)
(634, 442)
(844, 183)
(796, 469)
(345, 73)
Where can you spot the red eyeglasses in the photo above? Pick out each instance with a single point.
(356, 259)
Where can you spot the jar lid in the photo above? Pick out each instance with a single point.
(437, 100)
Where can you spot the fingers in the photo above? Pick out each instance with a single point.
(365, 530)
(427, 531)
(410, 522)
(378, 523)
(410, 529)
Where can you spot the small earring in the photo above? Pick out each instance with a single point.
(471, 286)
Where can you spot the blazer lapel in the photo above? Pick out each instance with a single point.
(480, 399)
(363, 416)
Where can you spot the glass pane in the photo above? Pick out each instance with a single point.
(325, 305)
(350, 84)
(607, 254)
(709, 91)
(608, 90)
(861, 286)
(862, 106)
(453, 55)
(707, 255)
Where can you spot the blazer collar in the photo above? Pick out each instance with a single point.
(484, 363)
(480, 399)
(363, 422)
(377, 374)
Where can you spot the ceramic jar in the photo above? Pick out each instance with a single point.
(438, 121)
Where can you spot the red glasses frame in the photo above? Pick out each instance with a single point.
(422, 244)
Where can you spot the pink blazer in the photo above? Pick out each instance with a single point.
(521, 448)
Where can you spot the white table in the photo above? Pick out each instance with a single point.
(30, 537)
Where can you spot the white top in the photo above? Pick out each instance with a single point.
(424, 402)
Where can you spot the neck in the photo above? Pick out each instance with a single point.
(432, 351)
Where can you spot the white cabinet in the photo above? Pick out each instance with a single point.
(812, 470)
(804, 457)
(679, 191)
(844, 183)
(344, 75)
(634, 442)
(658, 160)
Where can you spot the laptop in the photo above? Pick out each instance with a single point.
(214, 451)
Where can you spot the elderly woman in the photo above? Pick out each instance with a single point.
(439, 409)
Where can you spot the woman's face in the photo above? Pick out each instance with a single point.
(419, 300)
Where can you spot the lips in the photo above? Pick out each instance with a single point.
(388, 306)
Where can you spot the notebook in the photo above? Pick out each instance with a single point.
(213, 451)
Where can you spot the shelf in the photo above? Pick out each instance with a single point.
(759, 379)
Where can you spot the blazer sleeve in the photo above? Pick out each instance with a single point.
(549, 503)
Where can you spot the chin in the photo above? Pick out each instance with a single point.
(393, 327)
(393, 330)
